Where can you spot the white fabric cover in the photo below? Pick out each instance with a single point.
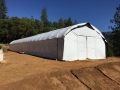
(77, 42)
(1, 55)
(83, 43)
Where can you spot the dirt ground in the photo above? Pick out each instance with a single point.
(26, 72)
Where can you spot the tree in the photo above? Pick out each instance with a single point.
(3, 9)
(68, 22)
(44, 20)
(60, 23)
(75, 22)
(38, 26)
(32, 18)
(55, 25)
(3, 30)
(115, 37)
(44, 17)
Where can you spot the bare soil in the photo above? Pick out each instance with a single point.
(26, 72)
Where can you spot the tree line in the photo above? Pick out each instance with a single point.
(115, 34)
(12, 28)
(15, 28)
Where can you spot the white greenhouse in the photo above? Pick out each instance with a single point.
(77, 42)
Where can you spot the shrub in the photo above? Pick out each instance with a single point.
(0, 46)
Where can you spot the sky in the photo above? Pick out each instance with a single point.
(96, 12)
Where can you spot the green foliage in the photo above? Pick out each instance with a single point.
(110, 49)
(115, 37)
(12, 28)
(61, 23)
(3, 30)
(75, 22)
(38, 26)
(55, 25)
(16, 28)
(0, 46)
(44, 17)
(3, 9)
(68, 22)
(107, 36)
(64, 23)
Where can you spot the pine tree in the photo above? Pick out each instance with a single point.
(44, 18)
(61, 23)
(115, 38)
(69, 22)
(75, 22)
(3, 9)
(55, 25)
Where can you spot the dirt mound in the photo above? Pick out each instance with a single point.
(95, 80)
(61, 80)
(25, 72)
(111, 70)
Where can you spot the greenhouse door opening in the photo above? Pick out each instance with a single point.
(86, 47)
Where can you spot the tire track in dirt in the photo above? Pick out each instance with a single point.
(111, 70)
(106, 75)
(69, 81)
(94, 79)
(80, 80)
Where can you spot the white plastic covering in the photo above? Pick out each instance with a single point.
(59, 33)
(1, 55)
(76, 42)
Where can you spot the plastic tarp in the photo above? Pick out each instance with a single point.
(1, 55)
(83, 43)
